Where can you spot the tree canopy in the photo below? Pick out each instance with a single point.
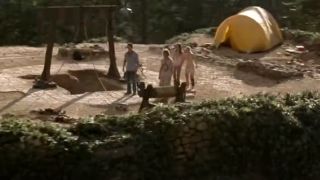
(151, 21)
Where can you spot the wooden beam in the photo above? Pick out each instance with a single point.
(179, 92)
(65, 15)
(86, 7)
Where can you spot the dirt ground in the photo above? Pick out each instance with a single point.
(214, 80)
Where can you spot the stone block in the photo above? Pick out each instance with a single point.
(202, 126)
(181, 157)
(177, 143)
(190, 152)
(203, 145)
(206, 136)
(186, 129)
(186, 140)
(196, 139)
(192, 124)
(180, 150)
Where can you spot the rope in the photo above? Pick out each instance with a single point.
(101, 83)
(97, 76)
(60, 68)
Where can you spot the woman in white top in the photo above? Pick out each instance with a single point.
(166, 70)
(177, 63)
(190, 67)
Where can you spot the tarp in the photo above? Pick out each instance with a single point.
(252, 30)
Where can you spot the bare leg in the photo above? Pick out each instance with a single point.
(178, 74)
(187, 79)
(192, 80)
(174, 75)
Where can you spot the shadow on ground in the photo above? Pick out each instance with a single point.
(83, 81)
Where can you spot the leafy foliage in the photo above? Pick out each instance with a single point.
(276, 137)
(151, 21)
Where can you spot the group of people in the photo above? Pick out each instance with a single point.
(171, 67)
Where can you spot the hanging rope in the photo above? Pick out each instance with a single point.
(101, 83)
(60, 68)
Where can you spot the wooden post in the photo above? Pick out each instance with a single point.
(113, 72)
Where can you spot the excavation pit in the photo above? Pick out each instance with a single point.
(83, 81)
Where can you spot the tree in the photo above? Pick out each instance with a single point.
(153, 21)
(144, 21)
(113, 72)
(81, 32)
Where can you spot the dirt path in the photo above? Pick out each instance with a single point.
(218, 81)
(213, 81)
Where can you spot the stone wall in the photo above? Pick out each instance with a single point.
(265, 135)
(192, 141)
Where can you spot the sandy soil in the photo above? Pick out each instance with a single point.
(213, 80)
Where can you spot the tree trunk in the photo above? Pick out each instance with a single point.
(144, 30)
(45, 76)
(113, 72)
(81, 27)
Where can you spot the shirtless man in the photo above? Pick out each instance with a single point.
(177, 63)
(190, 67)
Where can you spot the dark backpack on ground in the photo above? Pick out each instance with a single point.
(77, 56)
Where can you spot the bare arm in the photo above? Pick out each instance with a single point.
(171, 65)
(124, 63)
(183, 58)
(138, 61)
(160, 71)
(194, 60)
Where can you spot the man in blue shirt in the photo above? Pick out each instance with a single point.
(131, 65)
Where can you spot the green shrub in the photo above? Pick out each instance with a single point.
(275, 137)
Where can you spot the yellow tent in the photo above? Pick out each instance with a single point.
(251, 30)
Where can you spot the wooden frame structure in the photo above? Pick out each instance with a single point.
(51, 16)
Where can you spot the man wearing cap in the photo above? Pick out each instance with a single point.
(130, 67)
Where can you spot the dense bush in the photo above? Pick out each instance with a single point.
(274, 137)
